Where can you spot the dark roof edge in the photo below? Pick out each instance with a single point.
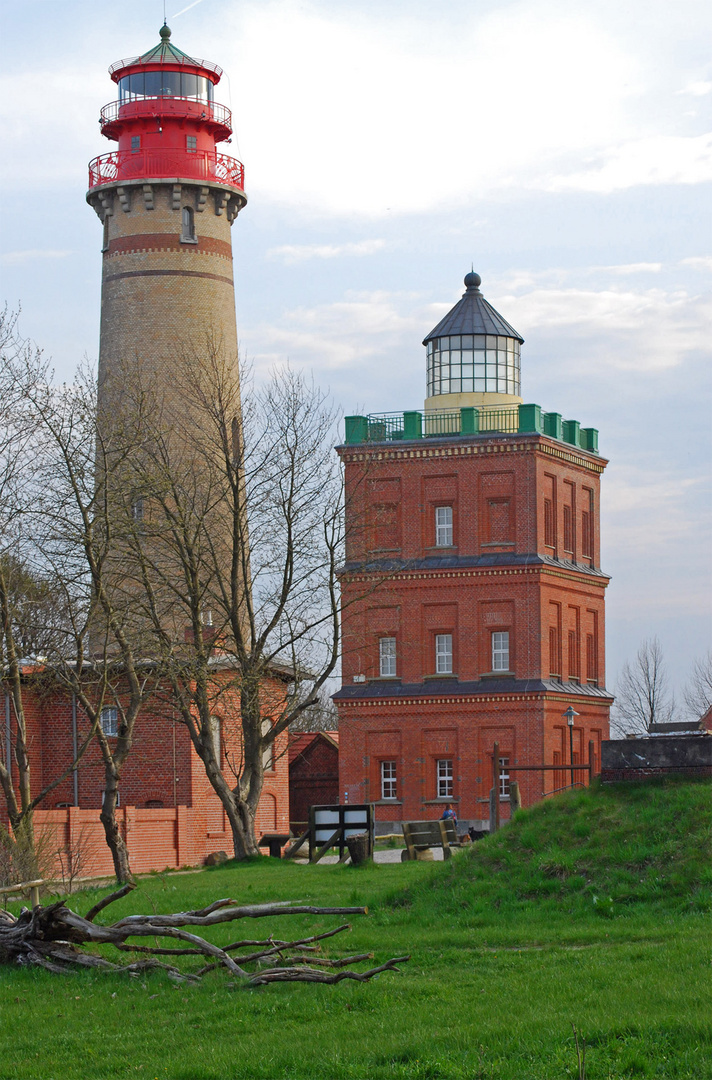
(478, 688)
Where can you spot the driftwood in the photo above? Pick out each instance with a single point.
(53, 937)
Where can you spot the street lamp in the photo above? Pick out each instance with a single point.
(570, 714)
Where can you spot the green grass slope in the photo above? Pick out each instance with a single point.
(508, 951)
(606, 850)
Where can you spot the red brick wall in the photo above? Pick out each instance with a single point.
(162, 751)
(502, 491)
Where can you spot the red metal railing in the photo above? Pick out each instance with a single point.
(166, 106)
(172, 63)
(159, 164)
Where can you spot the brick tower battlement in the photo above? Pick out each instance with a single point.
(166, 199)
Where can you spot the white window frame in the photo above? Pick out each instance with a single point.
(443, 526)
(504, 778)
(389, 779)
(387, 657)
(443, 654)
(187, 225)
(216, 735)
(268, 752)
(500, 650)
(444, 777)
(109, 720)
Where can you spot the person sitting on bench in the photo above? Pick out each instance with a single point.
(448, 812)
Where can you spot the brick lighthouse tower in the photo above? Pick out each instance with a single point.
(167, 200)
(473, 598)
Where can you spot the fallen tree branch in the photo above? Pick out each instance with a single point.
(53, 937)
(93, 912)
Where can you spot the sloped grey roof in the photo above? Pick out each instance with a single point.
(473, 315)
(453, 687)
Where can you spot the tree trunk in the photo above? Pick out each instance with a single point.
(116, 842)
(242, 823)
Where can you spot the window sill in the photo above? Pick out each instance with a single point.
(497, 675)
(442, 547)
(442, 675)
(389, 802)
(385, 678)
(499, 543)
(189, 240)
(440, 802)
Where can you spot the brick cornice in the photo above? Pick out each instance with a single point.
(206, 245)
(505, 444)
(477, 572)
(464, 699)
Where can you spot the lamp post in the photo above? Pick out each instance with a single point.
(570, 714)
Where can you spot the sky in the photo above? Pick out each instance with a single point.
(562, 148)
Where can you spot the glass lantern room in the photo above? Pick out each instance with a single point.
(473, 350)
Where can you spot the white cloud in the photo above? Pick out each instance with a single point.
(698, 262)
(658, 159)
(340, 335)
(644, 330)
(291, 253)
(11, 258)
(632, 268)
(418, 113)
(697, 89)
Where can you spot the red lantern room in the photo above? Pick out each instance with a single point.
(166, 122)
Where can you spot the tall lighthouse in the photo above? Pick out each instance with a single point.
(167, 199)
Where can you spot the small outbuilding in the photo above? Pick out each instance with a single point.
(313, 774)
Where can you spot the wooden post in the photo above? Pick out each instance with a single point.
(312, 832)
(496, 786)
(492, 812)
(515, 798)
(591, 753)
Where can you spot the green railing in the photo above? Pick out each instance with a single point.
(507, 419)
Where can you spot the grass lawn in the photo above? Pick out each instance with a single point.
(508, 949)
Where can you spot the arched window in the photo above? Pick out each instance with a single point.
(188, 224)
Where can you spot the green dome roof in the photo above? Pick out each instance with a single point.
(166, 53)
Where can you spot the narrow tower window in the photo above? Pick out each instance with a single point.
(500, 651)
(388, 780)
(110, 721)
(444, 778)
(191, 144)
(443, 526)
(135, 143)
(443, 654)
(387, 656)
(188, 225)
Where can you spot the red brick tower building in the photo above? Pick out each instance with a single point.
(473, 599)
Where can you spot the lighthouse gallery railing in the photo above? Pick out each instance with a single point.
(150, 164)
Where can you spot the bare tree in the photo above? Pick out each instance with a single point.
(643, 695)
(85, 514)
(235, 564)
(321, 716)
(32, 614)
(698, 692)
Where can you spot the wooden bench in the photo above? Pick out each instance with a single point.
(275, 842)
(422, 835)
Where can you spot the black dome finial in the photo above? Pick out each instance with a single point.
(473, 280)
(165, 32)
